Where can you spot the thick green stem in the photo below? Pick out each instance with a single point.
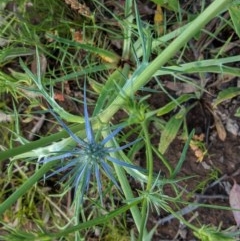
(122, 178)
(149, 158)
(134, 84)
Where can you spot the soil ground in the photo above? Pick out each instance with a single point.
(223, 157)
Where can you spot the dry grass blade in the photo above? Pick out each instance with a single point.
(158, 20)
(222, 134)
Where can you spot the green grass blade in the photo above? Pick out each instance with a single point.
(235, 16)
(25, 187)
(110, 89)
(58, 109)
(105, 54)
(209, 65)
(10, 53)
(97, 221)
(38, 143)
(173, 104)
(183, 155)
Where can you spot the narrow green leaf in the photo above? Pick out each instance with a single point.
(235, 16)
(97, 221)
(183, 155)
(8, 54)
(173, 104)
(96, 86)
(164, 160)
(109, 89)
(37, 79)
(169, 133)
(94, 68)
(44, 141)
(226, 94)
(209, 65)
(107, 55)
(25, 187)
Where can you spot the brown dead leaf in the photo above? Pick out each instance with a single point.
(199, 137)
(199, 152)
(59, 96)
(180, 88)
(43, 64)
(198, 147)
(222, 134)
(82, 9)
(78, 37)
(234, 200)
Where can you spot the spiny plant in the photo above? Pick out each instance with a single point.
(91, 157)
(88, 158)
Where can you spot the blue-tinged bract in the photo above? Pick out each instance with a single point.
(87, 158)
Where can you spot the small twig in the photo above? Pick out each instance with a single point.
(182, 231)
(182, 212)
(216, 182)
(202, 196)
(37, 127)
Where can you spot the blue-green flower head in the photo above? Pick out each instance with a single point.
(88, 158)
